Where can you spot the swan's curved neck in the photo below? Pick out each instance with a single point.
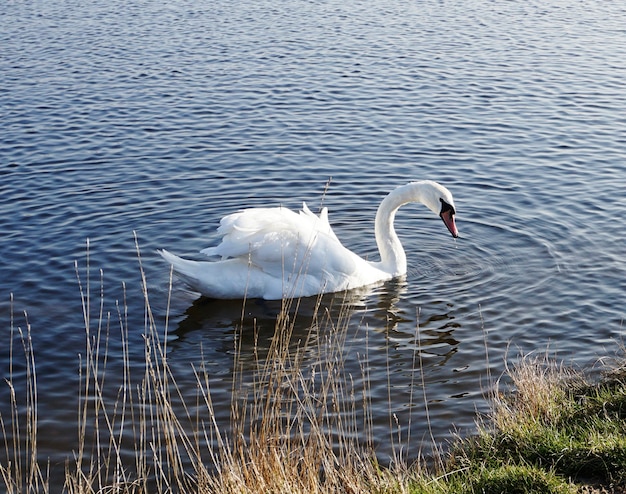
(393, 258)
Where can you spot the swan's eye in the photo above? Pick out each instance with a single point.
(446, 208)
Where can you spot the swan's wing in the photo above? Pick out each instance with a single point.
(321, 223)
(279, 241)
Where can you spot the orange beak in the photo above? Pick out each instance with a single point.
(448, 218)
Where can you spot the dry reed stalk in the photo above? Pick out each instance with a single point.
(22, 471)
(539, 389)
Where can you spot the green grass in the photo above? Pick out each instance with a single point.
(549, 431)
(554, 421)
(509, 479)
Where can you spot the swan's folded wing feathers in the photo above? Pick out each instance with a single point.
(246, 231)
(319, 223)
(278, 240)
(240, 231)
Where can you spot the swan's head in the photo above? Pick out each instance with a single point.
(439, 200)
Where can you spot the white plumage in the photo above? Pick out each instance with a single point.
(273, 253)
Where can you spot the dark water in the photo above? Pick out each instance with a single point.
(160, 118)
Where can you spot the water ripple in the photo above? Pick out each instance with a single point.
(160, 119)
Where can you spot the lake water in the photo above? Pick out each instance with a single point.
(160, 118)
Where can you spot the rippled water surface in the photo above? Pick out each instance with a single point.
(160, 118)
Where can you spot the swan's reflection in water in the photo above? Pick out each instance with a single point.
(260, 316)
(374, 309)
(251, 325)
(381, 340)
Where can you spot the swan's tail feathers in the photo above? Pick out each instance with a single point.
(169, 257)
(185, 269)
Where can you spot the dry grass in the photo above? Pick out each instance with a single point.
(295, 427)
(299, 423)
(541, 388)
(22, 471)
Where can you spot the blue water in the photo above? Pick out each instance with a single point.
(161, 118)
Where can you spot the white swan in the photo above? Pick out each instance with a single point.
(273, 253)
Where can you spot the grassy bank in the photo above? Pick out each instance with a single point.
(550, 431)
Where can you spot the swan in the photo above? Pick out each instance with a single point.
(276, 253)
